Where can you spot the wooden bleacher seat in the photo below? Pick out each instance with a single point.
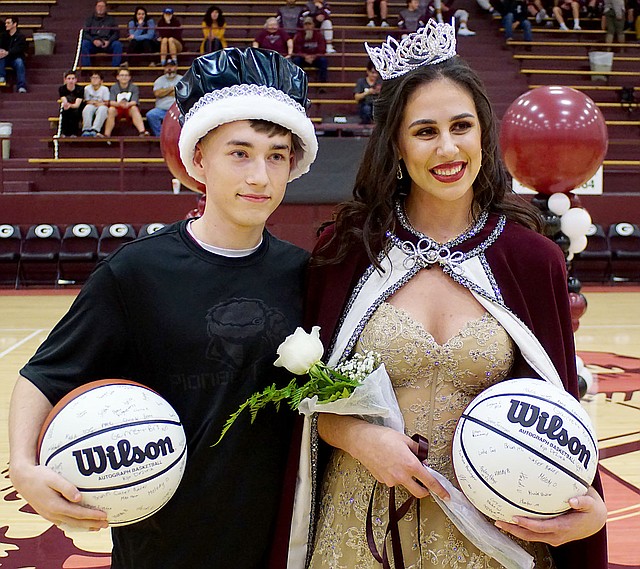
(582, 44)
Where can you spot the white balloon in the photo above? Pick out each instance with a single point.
(587, 376)
(575, 222)
(578, 244)
(579, 364)
(559, 203)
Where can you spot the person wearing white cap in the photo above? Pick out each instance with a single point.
(196, 312)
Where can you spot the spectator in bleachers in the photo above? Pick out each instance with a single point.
(289, 17)
(124, 97)
(273, 37)
(169, 32)
(366, 92)
(633, 17)
(382, 10)
(309, 48)
(486, 6)
(96, 106)
(515, 15)
(537, 10)
(441, 10)
(101, 35)
(411, 18)
(614, 18)
(71, 98)
(164, 90)
(213, 28)
(564, 9)
(319, 11)
(142, 34)
(13, 50)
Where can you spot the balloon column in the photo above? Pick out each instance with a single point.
(171, 153)
(553, 140)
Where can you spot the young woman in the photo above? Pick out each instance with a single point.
(169, 35)
(142, 33)
(432, 265)
(213, 28)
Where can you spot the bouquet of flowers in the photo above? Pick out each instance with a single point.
(358, 386)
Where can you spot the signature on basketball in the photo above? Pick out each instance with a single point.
(94, 460)
(552, 427)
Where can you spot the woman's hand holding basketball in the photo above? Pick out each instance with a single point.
(588, 516)
(54, 498)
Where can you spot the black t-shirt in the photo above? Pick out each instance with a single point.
(77, 93)
(202, 330)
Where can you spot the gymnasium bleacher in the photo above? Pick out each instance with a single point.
(65, 181)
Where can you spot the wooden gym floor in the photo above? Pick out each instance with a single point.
(608, 341)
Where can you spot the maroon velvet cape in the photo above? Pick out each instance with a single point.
(530, 272)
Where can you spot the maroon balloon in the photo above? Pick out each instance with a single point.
(171, 153)
(553, 139)
(577, 304)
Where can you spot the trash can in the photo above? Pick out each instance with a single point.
(5, 130)
(43, 43)
(600, 61)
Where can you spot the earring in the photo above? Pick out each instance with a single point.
(399, 172)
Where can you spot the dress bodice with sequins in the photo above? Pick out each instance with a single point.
(433, 384)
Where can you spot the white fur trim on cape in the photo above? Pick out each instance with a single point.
(205, 118)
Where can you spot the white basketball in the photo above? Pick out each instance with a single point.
(524, 447)
(120, 443)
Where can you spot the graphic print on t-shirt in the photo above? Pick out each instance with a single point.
(124, 96)
(242, 328)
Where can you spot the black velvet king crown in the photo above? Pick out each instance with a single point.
(429, 45)
(233, 84)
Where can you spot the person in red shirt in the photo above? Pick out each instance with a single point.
(310, 47)
(273, 37)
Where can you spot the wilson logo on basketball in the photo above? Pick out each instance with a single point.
(94, 460)
(552, 427)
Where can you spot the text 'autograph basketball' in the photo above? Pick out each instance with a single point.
(524, 447)
(120, 443)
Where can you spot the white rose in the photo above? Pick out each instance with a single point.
(300, 351)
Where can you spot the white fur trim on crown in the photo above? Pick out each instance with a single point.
(245, 102)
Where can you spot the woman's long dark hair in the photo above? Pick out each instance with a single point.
(135, 16)
(370, 214)
(208, 20)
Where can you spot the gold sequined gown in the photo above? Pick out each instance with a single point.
(433, 383)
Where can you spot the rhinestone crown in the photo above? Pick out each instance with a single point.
(429, 45)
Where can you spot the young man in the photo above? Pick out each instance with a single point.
(124, 96)
(71, 96)
(96, 98)
(13, 49)
(366, 92)
(164, 88)
(196, 312)
(289, 17)
(319, 11)
(411, 18)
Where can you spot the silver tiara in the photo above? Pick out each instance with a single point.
(429, 45)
